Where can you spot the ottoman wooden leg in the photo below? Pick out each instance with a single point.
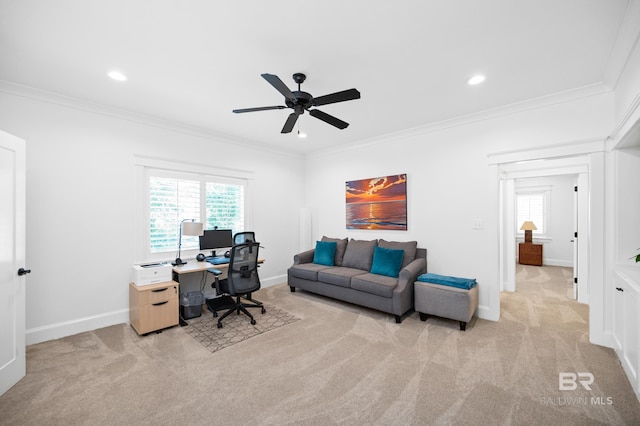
(423, 317)
(463, 325)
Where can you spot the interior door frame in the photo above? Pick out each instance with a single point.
(589, 153)
(13, 367)
(511, 173)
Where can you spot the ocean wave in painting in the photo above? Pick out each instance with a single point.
(376, 215)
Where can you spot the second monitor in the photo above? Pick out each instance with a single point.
(213, 239)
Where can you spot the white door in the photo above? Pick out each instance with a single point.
(12, 257)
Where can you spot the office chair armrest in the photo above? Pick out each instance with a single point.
(214, 271)
(216, 282)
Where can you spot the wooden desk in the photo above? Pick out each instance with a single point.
(195, 266)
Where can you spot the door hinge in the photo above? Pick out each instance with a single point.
(575, 234)
(575, 280)
(575, 189)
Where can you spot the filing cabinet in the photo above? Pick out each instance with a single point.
(153, 307)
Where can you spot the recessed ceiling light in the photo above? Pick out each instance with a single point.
(117, 75)
(476, 79)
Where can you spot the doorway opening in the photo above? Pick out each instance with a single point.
(542, 175)
(550, 205)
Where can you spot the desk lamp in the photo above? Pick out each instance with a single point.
(192, 228)
(528, 227)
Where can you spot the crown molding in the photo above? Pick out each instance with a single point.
(626, 133)
(490, 114)
(625, 44)
(121, 114)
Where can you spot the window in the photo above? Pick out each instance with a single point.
(171, 196)
(532, 206)
(170, 201)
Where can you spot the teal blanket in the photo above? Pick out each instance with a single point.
(464, 283)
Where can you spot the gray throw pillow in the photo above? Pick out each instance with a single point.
(341, 246)
(409, 248)
(359, 254)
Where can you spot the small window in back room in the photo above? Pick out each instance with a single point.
(531, 207)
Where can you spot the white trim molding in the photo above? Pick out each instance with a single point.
(80, 325)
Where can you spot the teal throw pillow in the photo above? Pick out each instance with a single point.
(387, 261)
(325, 252)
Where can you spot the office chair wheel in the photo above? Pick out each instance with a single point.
(253, 322)
(219, 325)
(263, 310)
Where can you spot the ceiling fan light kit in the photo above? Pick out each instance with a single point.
(300, 102)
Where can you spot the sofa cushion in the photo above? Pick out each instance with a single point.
(409, 248)
(307, 271)
(325, 253)
(340, 276)
(380, 285)
(386, 261)
(341, 246)
(359, 254)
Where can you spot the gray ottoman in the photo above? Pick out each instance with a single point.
(445, 301)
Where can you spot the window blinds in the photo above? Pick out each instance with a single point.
(530, 207)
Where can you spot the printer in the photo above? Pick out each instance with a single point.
(151, 273)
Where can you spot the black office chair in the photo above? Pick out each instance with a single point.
(244, 237)
(242, 280)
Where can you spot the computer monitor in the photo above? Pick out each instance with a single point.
(213, 239)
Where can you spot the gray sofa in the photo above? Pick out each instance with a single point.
(350, 278)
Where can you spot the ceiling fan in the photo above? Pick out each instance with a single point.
(301, 101)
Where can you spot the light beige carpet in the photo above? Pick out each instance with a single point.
(339, 364)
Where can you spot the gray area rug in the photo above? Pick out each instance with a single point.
(236, 328)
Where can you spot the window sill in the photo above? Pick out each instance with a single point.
(536, 240)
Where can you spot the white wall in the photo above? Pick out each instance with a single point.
(628, 212)
(81, 194)
(558, 248)
(626, 162)
(449, 182)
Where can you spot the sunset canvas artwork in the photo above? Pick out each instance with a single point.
(377, 203)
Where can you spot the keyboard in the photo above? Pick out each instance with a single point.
(217, 260)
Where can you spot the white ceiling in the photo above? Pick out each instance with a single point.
(191, 62)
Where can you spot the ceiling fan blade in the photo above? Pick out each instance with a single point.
(259, 109)
(291, 121)
(329, 119)
(345, 95)
(275, 81)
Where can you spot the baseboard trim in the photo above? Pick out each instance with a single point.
(270, 282)
(557, 262)
(483, 312)
(80, 325)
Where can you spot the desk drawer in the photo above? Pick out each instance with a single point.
(158, 315)
(148, 297)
